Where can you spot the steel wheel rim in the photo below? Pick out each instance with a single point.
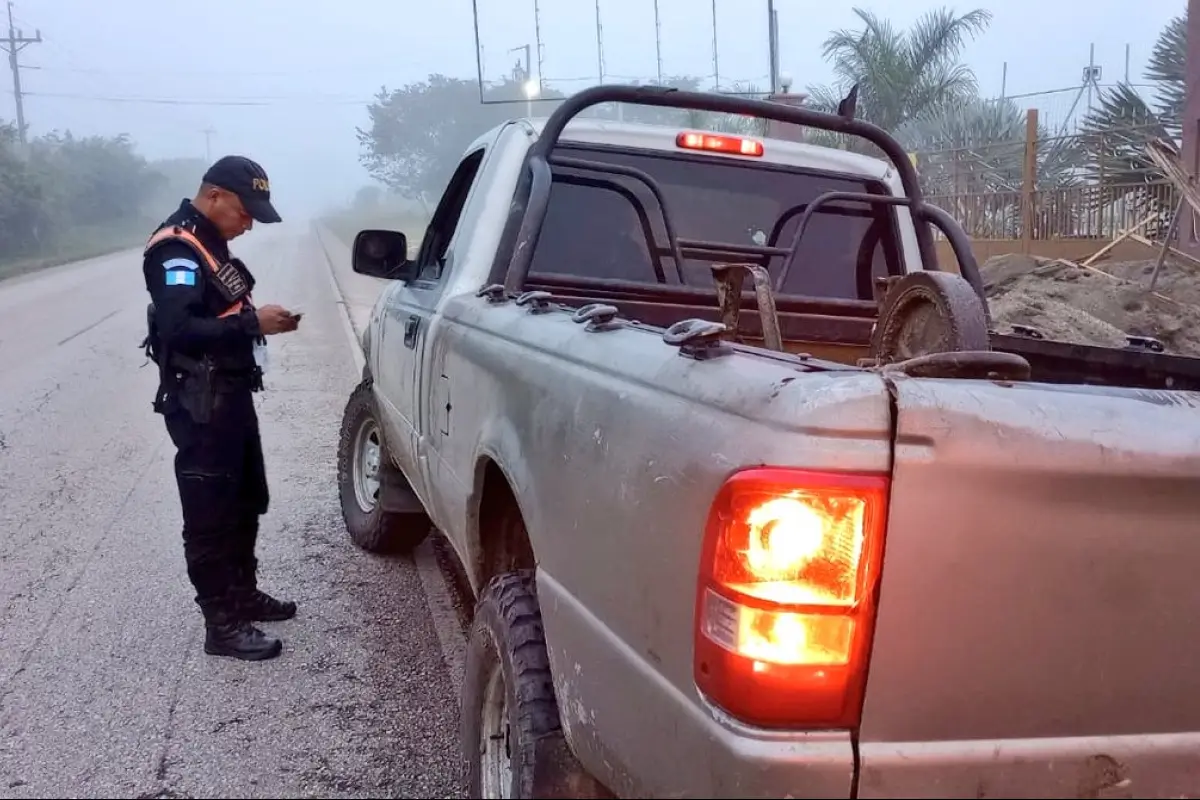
(367, 453)
(495, 745)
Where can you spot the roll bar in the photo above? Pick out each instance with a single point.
(528, 212)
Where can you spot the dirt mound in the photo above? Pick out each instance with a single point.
(1072, 304)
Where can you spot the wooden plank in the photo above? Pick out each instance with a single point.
(1122, 236)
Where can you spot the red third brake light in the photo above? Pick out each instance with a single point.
(786, 599)
(717, 143)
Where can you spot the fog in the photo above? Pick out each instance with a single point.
(287, 83)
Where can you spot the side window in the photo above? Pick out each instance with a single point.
(432, 256)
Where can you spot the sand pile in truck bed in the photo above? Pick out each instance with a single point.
(1077, 305)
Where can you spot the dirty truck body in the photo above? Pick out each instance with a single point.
(765, 571)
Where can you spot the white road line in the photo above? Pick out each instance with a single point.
(450, 635)
(355, 345)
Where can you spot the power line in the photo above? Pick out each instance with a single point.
(274, 100)
(14, 44)
(361, 69)
(173, 101)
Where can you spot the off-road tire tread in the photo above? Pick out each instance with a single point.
(377, 532)
(508, 617)
(508, 626)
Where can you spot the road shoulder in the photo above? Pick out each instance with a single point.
(356, 295)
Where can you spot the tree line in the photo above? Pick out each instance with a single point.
(911, 82)
(66, 194)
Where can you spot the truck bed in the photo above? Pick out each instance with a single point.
(840, 330)
(1017, 559)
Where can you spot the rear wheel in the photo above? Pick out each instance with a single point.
(512, 737)
(365, 472)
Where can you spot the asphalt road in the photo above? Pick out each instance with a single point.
(104, 688)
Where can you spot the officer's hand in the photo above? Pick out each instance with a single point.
(275, 319)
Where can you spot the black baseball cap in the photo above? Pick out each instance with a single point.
(248, 181)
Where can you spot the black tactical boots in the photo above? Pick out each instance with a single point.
(230, 635)
(261, 607)
(256, 605)
(230, 616)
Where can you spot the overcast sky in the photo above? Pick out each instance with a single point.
(303, 70)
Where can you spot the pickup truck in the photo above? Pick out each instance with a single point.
(751, 499)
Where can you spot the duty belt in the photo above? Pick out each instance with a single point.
(220, 377)
(237, 380)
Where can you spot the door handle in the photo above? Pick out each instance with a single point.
(410, 331)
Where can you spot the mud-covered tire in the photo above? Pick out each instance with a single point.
(370, 527)
(506, 655)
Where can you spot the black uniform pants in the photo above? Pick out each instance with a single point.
(223, 491)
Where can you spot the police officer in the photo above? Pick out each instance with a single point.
(207, 338)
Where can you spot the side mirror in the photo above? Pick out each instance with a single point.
(382, 254)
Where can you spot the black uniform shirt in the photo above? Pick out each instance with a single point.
(187, 304)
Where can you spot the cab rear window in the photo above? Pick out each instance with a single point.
(601, 225)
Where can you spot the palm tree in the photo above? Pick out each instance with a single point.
(971, 157)
(902, 75)
(1123, 107)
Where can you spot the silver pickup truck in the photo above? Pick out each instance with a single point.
(752, 500)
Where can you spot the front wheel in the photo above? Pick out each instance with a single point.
(364, 472)
(512, 738)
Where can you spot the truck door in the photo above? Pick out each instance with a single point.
(404, 353)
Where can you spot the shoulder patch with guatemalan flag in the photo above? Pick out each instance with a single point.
(181, 271)
(181, 277)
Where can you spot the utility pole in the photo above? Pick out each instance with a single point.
(526, 79)
(773, 44)
(528, 76)
(716, 59)
(599, 44)
(208, 132)
(1091, 77)
(13, 44)
(658, 41)
(537, 37)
